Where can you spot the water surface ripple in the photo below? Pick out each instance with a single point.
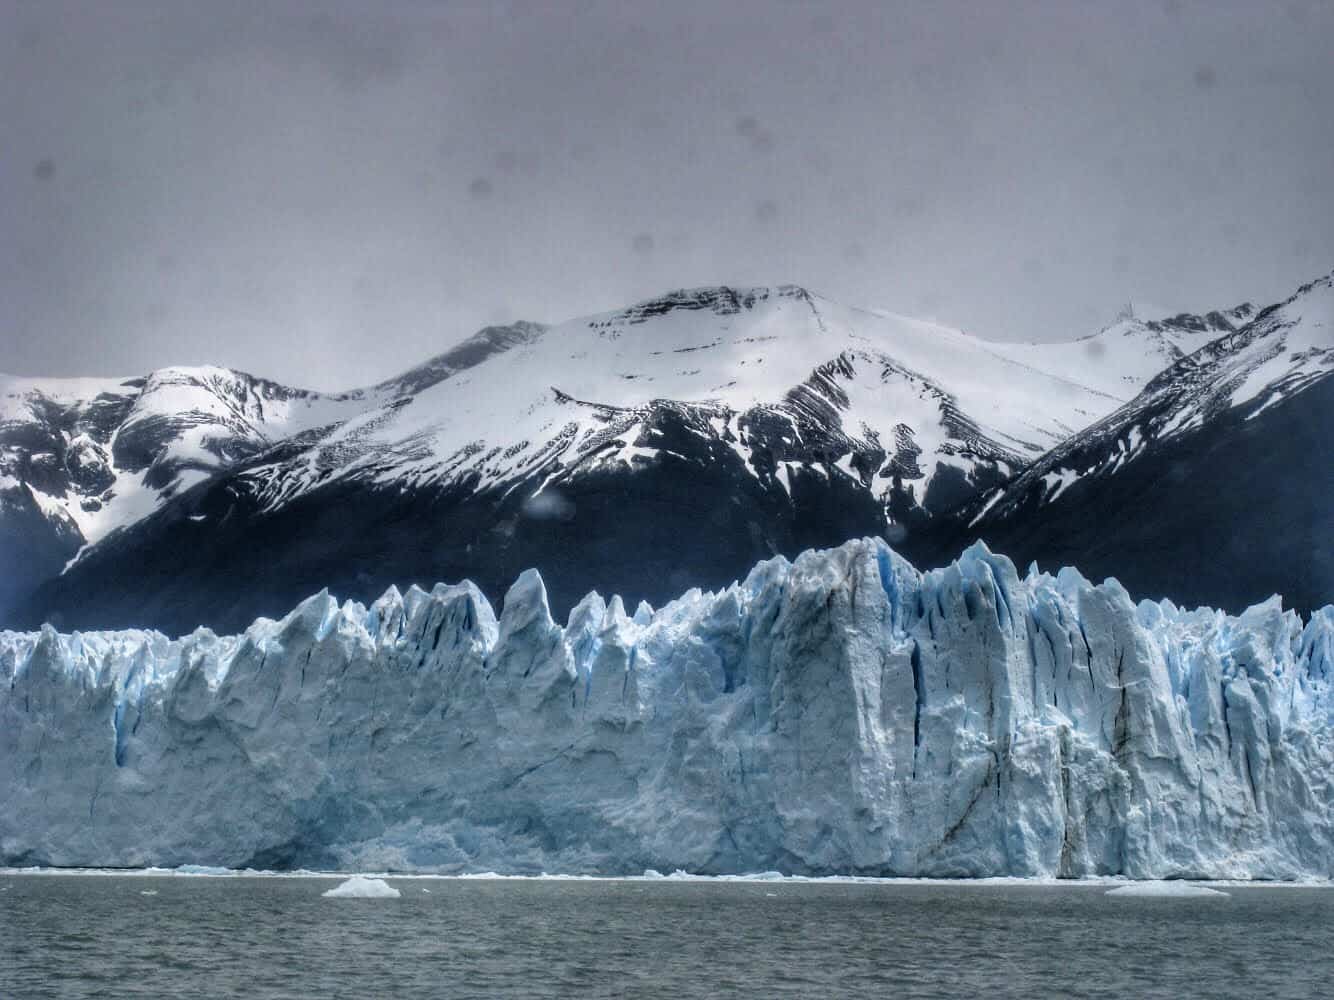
(71, 936)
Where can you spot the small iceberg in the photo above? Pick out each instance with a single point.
(1165, 890)
(359, 887)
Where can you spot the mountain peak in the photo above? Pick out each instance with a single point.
(722, 300)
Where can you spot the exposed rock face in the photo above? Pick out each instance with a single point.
(839, 714)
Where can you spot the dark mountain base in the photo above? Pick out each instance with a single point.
(647, 534)
(32, 548)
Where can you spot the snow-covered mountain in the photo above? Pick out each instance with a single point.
(1215, 484)
(96, 455)
(81, 458)
(84, 458)
(843, 714)
(1120, 359)
(647, 449)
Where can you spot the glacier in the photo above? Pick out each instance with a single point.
(842, 713)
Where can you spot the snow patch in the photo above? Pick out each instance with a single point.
(1057, 482)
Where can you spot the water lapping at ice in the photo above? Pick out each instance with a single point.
(840, 714)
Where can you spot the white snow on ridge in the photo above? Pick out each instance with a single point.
(209, 396)
(194, 420)
(1289, 348)
(1304, 353)
(579, 375)
(1280, 353)
(131, 500)
(539, 402)
(18, 393)
(1117, 361)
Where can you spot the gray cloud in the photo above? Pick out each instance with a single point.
(328, 192)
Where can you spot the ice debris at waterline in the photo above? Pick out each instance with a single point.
(360, 887)
(1165, 890)
(840, 714)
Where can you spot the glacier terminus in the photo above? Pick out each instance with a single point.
(842, 713)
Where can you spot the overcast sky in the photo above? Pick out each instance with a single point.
(326, 193)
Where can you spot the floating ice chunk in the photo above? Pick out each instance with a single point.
(202, 870)
(1165, 890)
(359, 887)
(148, 892)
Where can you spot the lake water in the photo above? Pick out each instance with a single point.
(73, 936)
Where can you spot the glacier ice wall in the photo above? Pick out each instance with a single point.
(842, 713)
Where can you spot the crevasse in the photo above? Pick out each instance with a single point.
(842, 713)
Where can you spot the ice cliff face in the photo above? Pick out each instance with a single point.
(843, 713)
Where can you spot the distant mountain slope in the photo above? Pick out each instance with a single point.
(671, 443)
(1214, 485)
(1120, 359)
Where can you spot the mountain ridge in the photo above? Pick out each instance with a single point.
(815, 418)
(1236, 430)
